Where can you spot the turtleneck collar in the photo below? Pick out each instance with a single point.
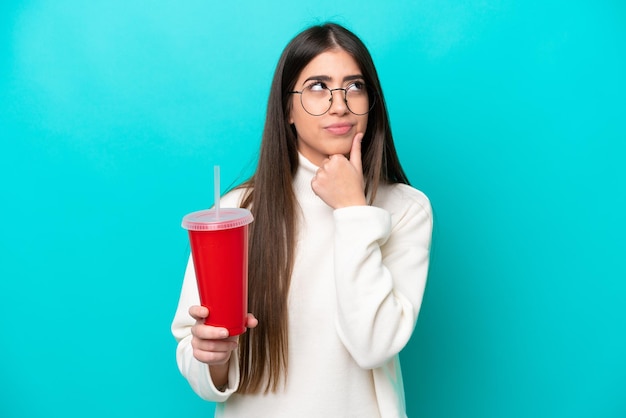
(302, 180)
(307, 164)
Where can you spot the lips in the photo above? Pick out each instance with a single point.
(339, 128)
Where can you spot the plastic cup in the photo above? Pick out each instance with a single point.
(219, 248)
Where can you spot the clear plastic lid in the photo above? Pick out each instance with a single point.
(207, 220)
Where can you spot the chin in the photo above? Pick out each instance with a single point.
(340, 150)
(341, 147)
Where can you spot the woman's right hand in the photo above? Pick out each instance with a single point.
(213, 345)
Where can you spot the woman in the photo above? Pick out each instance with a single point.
(339, 251)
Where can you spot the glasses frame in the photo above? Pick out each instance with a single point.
(370, 94)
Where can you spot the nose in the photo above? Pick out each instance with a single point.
(338, 103)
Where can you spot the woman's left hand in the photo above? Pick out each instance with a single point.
(339, 181)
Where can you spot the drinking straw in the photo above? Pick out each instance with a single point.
(216, 189)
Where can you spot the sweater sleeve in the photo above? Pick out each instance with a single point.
(381, 266)
(196, 372)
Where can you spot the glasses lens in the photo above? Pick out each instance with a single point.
(358, 99)
(317, 100)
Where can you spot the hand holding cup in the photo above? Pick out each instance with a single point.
(213, 345)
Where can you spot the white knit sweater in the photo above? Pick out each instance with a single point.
(356, 291)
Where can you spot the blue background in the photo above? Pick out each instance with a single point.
(509, 114)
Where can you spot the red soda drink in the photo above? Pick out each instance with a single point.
(219, 248)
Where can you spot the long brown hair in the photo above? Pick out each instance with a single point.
(263, 350)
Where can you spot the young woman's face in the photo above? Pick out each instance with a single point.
(333, 132)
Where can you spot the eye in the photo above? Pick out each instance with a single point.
(356, 86)
(317, 86)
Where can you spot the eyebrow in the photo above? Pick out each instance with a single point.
(329, 78)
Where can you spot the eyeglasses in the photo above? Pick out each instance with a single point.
(317, 98)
